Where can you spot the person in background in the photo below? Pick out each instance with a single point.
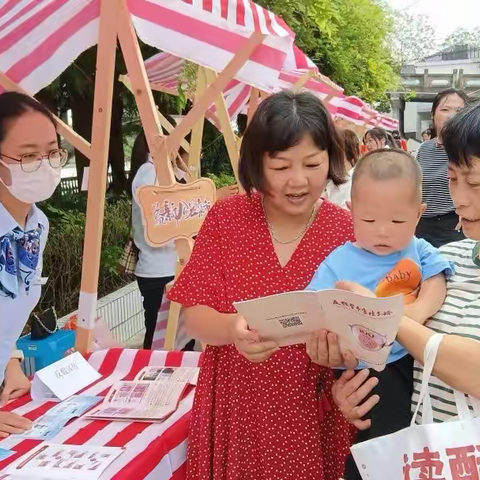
(260, 411)
(426, 135)
(340, 194)
(376, 138)
(155, 267)
(439, 223)
(30, 171)
(399, 141)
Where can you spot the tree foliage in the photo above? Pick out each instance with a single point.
(462, 37)
(347, 39)
(412, 37)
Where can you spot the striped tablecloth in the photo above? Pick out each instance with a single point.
(153, 450)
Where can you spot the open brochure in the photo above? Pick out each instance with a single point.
(152, 397)
(367, 326)
(65, 462)
(169, 374)
(49, 425)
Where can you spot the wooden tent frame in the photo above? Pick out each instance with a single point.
(116, 24)
(206, 77)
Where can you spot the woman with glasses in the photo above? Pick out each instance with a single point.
(30, 171)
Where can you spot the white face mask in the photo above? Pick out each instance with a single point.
(32, 187)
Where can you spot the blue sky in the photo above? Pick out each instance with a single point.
(445, 16)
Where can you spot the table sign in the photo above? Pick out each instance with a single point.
(175, 212)
(63, 379)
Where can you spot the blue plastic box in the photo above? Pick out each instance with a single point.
(41, 353)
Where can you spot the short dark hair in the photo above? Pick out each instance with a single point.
(14, 105)
(352, 146)
(461, 136)
(388, 164)
(280, 123)
(446, 93)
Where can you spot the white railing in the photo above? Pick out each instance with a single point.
(122, 311)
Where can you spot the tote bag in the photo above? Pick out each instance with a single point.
(430, 451)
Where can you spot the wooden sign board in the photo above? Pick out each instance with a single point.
(178, 211)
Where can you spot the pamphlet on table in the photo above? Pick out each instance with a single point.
(169, 374)
(65, 462)
(152, 397)
(62, 379)
(367, 326)
(49, 425)
(4, 453)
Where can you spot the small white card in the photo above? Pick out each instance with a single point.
(63, 379)
(86, 175)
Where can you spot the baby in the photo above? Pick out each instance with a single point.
(386, 205)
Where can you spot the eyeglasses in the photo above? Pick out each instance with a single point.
(31, 162)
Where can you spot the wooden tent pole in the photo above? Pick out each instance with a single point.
(199, 109)
(299, 84)
(63, 129)
(184, 249)
(143, 95)
(252, 105)
(197, 131)
(226, 127)
(156, 141)
(102, 115)
(163, 120)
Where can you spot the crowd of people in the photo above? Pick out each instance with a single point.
(322, 209)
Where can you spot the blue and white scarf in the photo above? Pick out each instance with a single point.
(19, 254)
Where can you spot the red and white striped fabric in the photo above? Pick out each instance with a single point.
(181, 338)
(371, 116)
(164, 71)
(153, 451)
(388, 123)
(351, 109)
(39, 39)
(211, 32)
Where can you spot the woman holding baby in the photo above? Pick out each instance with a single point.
(263, 412)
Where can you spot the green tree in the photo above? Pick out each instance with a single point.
(412, 37)
(462, 37)
(347, 39)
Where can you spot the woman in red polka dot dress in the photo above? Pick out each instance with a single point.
(262, 412)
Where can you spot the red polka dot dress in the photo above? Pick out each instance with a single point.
(275, 420)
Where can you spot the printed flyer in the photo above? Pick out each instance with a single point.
(367, 326)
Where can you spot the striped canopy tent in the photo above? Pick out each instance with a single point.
(39, 39)
(371, 116)
(240, 40)
(165, 73)
(360, 114)
(388, 123)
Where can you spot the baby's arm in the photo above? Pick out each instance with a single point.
(430, 299)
